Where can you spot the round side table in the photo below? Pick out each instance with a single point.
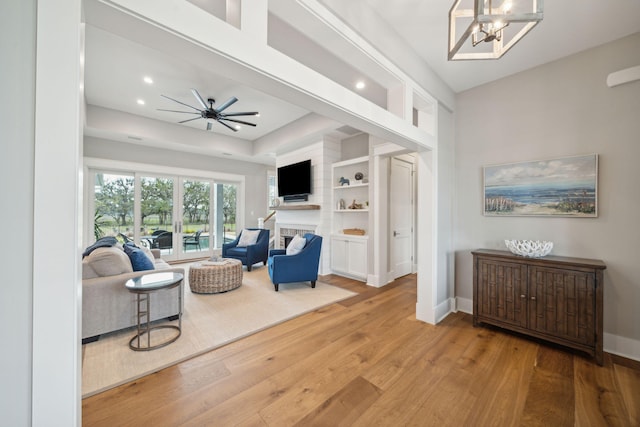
(143, 286)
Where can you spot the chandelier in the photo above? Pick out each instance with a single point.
(490, 28)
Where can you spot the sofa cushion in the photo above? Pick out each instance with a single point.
(87, 271)
(248, 237)
(296, 245)
(237, 252)
(109, 261)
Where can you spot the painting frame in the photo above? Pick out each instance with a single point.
(555, 187)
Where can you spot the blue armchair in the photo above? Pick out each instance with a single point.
(251, 254)
(300, 267)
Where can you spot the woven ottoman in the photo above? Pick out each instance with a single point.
(210, 278)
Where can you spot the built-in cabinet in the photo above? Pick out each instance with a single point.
(558, 299)
(350, 199)
(349, 255)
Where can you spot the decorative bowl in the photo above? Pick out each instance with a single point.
(529, 248)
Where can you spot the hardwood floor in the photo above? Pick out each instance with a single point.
(367, 361)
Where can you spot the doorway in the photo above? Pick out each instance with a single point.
(401, 203)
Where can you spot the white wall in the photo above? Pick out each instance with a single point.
(322, 154)
(355, 146)
(17, 109)
(562, 108)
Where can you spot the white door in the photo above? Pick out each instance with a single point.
(401, 201)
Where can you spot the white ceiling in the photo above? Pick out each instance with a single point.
(115, 67)
(569, 26)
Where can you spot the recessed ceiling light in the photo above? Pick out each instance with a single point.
(148, 80)
(360, 85)
(140, 101)
(238, 127)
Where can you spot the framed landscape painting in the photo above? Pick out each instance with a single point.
(566, 186)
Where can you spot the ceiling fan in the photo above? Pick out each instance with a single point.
(212, 114)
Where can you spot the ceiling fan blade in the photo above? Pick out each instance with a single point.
(176, 111)
(209, 125)
(227, 104)
(182, 103)
(247, 113)
(189, 120)
(233, 129)
(199, 98)
(237, 121)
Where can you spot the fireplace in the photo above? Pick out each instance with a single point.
(286, 232)
(287, 240)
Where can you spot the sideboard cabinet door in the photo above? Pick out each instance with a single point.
(562, 303)
(503, 295)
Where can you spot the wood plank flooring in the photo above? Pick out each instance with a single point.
(367, 361)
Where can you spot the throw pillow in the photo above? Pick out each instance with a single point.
(148, 253)
(139, 260)
(109, 261)
(104, 242)
(296, 245)
(248, 237)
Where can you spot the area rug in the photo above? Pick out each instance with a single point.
(208, 322)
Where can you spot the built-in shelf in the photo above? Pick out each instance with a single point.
(351, 210)
(354, 185)
(295, 207)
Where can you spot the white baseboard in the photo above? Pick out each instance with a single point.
(622, 346)
(443, 309)
(614, 344)
(464, 305)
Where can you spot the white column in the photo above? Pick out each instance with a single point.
(379, 220)
(427, 237)
(57, 289)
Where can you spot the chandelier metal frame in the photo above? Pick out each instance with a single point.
(488, 25)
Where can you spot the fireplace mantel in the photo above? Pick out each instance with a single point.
(295, 208)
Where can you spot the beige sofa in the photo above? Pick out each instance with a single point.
(107, 306)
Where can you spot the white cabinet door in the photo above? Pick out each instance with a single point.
(357, 256)
(349, 256)
(339, 251)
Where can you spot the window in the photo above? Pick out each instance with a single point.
(185, 215)
(113, 206)
(272, 189)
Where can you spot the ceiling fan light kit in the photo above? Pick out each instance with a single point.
(492, 27)
(211, 114)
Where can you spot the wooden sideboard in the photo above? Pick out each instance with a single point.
(558, 299)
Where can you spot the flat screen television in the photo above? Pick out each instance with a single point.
(294, 181)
